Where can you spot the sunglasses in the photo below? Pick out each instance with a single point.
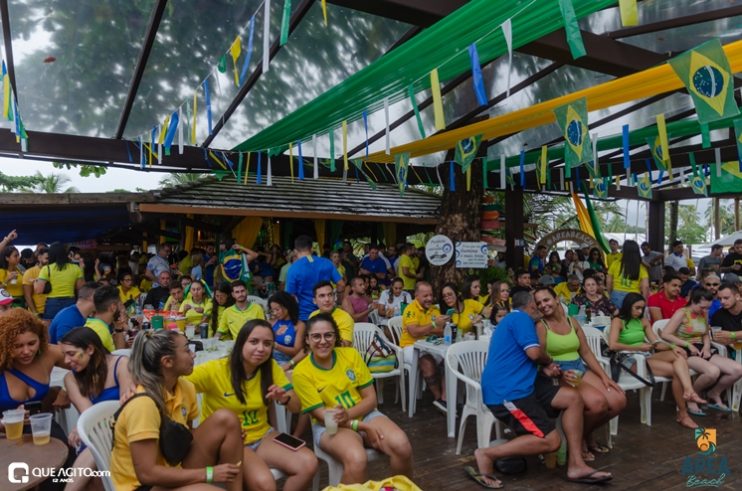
(318, 336)
(713, 284)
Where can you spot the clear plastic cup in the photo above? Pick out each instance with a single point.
(190, 331)
(41, 427)
(331, 426)
(577, 374)
(13, 422)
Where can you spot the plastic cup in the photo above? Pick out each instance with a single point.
(158, 322)
(331, 426)
(41, 427)
(180, 322)
(577, 374)
(190, 331)
(13, 422)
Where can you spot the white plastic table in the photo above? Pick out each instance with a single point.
(451, 383)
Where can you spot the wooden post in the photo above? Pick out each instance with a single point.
(673, 233)
(736, 214)
(656, 235)
(514, 227)
(717, 219)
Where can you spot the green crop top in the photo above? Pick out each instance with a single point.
(632, 332)
(562, 347)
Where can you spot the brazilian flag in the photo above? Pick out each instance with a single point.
(572, 120)
(655, 149)
(466, 151)
(600, 187)
(738, 132)
(358, 163)
(706, 74)
(698, 183)
(644, 186)
(730, 180)
(401, 166)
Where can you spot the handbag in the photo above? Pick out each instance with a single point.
(175, 438)
(48, 283)
(379, 357)
(621, 361)
(511, 465)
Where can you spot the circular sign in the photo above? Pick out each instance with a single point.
(439, 250)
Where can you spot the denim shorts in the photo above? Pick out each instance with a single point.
(318, 429)
(577, 364)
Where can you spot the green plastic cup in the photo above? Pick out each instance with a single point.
(402, 306)
(158, 322)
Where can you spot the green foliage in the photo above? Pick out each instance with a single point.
(86, 170)
(9, 184)
(53, 183)
(490, 275)
(691, 229)
(179, 179)
(726, 214)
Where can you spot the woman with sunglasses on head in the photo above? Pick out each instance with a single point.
(688, 328)
(335, 378)
(247, 383)
(464, 312)
(187, 458)
(287, 328)
(96, 376)
(630, 331)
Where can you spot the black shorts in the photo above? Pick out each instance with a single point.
(699, 347)
(532, 415)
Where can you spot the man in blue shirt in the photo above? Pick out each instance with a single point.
(374, 264)
(75, 315)
(527, 401)
(305, 272)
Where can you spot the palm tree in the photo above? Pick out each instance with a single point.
(178, 179)
(53, 183)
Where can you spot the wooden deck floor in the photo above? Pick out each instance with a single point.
(643, 457)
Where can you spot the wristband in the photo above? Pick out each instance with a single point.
(354, 425)
(672, 346)
(733, 335)
(209, 474)
(292, 364)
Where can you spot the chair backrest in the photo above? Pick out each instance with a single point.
(395, 329)
(373, 317)
(468, 358)
(122, 352)
(658, 326)
(594, 337)
(94, 428)
(258, 300)
(363, 335)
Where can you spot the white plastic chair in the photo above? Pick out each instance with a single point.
(94, 428)
(335, 468)
(363, 335)
(258, 300)
(737, 387)
(122, 352)
(467, 359)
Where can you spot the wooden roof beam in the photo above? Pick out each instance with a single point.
(422, 13)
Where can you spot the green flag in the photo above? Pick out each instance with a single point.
(655, 148)
(706, 74)
(730, 180)
(401, 166)
(358, 163)
(738, 132)
(572, 120)
(644, 186)
(466, 150)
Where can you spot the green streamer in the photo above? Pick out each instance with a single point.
(693, 167)
(285, 22)
(574, 36)
(239, 168)
(222, 65)
(705, 136)
(332, 150)
(413, 101)
(485, 171)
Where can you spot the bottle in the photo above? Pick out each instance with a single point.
(447, 339)
(550, 460)
(458, 335)
(562, 454)
(581, 315)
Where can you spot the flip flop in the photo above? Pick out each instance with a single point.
(598, 448)
(719, 407)
(590, 478)
(699, 413)
(480, 478)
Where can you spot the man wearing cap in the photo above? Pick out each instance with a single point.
(6, 300)
(712, 262)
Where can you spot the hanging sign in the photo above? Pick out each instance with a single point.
(439, 250)
(471, 255)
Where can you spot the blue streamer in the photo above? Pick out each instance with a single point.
(626, 156)
(207, 97)
(170, 135)
(451, 177)
(248, 55)
(226, 159)
(365, 126)
(259, 175)
(662, 176)
(648, 163)
(128, 152)
(355, 168)
(523, 168)
(142, 156)
(476, 75)
(206, 156)
(301, 162)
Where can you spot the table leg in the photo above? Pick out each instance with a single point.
(412, 393)
(451, 383)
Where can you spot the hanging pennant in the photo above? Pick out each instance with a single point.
(618, 183)
(301, 161)
(266, 34)
(625, 147)
(7, 109)
(324, 11)
(601, 187)
(629, 14)
(332, 150)
(561, 178)
(466, 151)
(572, 120)
(285, 21)
(476, 76)
(207, 101)
(240, 163)
(401, 168)
(662, 135)
(507, 31)
(468, 179)
(387, 140)
(544, 161)
(160, 140)
(365, 128)
(511, 180)
(180, 130)
(171, 129)
(503, 169)
(358, 166)
(738, 131)
(291, 161)
(717, 161)
(435, 88)
(315, 170)
(522, 168)
(247, 168)
(259, 174)
(235, 49)
(413, 101)
(152, 140)
(451, 177)
(269, 172)
(141, 153)
(485, 171)
(345, 146)
(596, 165)
(222, 64)
(248, 55)
(572, 28)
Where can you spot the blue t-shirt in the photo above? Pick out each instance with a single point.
(509, 374)
(285, 334)
(374, 266)
(66, 320)
(303, 275)
(714, 307)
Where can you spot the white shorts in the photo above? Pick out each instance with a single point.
(318, 430)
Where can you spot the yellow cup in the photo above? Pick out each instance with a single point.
(181, 323)
(14, 431)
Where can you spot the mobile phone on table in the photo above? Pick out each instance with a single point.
(33, 407)
(289, 441)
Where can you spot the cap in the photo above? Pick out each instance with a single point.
(546, 280)
(5, 297)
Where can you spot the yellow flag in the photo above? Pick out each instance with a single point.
(193, 125)
(629, 15)
(662, 130)
(6, 96)
(291, 160)
(324, 11)
(345, 145)
(235, 50)
(247, 168)
(544, 160)
(468, 179)
(435, 87)
(163, 130)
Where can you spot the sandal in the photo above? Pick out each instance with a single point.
(598, 448)
(591, 478)
(481, 479)
(588, 456)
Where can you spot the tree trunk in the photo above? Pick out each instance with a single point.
(717, 220)
(673, 221)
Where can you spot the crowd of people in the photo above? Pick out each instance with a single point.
(298, 351)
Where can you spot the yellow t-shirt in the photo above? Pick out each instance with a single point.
(39, 299)
(341, 384)
(463, 321)
(103, 331)
(213, 379)
(344, 321)
(16, 288)
(132, 294)
(193, 317)
(622, 284)
(63, 281)
(145, 285)
(405, 261)
(483, 299)
(414, 314)
(564, 293)
(140, 420)
(613, 257)
(171, 304)
(232, 319)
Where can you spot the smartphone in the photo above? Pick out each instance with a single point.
(33, 407)
(289, 441)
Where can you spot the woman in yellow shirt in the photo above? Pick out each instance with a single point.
(159, 360)
(464, 312)
(11, 275)
(336, 379)
(127, 290)
(248, 383)
(65, 278)
(473, 290)
(628, 275)
(197, 306)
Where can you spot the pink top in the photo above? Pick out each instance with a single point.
(359, 305)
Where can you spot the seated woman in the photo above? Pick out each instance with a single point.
(357, 303)
(563, 338)
(464, 312)
(689, 329)
(592, 299)
(346, 386)
(247, 383)
(498, 312)
(500, 295)
(221, 300)
(630, 331)
(287, 328)
(391, 300)
(473, 289)
(197, 306)
(159, 360)
(96, 376)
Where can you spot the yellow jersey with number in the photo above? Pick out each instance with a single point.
(213, 379)
(415, 315)
(319, 387)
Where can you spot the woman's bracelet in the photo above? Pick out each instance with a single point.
(292, 363)
(209, 474)
(732, 335)
(354, 425)
(288, 399)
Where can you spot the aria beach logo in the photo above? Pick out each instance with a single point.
(706, 469)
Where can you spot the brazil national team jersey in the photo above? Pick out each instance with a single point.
(213, 380)
(341, 384)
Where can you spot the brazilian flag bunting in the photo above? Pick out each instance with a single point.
(655, 149)
(644, 186)
(738, 132)
(572, 120)
(698, 183)
(466, 151)
(706, 74)
(401, 166)
(729, 180)
(601, 187)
